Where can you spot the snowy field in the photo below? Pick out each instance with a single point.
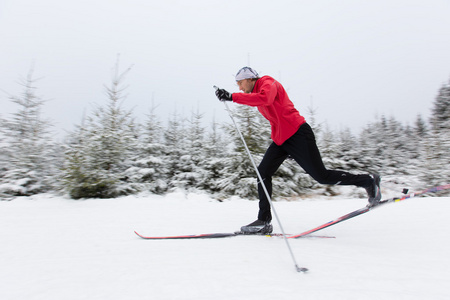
(55, 248)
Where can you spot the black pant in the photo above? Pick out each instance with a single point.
(303, 149)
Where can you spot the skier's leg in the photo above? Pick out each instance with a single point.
(303, 148)
(273, 158)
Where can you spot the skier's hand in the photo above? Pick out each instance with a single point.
(223, 95)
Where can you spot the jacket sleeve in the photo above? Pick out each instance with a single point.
(266, 95)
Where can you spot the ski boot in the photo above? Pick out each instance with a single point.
(374, 191)
(257, 227)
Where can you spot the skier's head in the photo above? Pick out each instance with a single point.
(246, 78)
(246, 73)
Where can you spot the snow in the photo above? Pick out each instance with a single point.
(56, 248)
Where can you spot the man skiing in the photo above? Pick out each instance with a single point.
(291, 136)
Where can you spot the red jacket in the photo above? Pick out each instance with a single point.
(274, 104)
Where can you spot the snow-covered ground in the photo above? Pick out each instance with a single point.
(56, 248)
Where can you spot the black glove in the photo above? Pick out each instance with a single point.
(223, 95)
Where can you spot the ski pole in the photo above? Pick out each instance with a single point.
(299, 269)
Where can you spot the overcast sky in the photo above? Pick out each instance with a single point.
(353, 60)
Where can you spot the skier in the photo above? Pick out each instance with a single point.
(291, 136)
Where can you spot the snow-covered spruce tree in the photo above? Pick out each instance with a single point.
(437, 160)
(419, 139)
(149, 167)
(27, 149)
(191, 173)
(440, 113)
(174, 138)
(349, 151)
(373, 146)
(100, 151)
(215, 149)
(397, 154)
(411, 146)
(386, 147)
(420, 127)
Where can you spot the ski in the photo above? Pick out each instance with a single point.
(216, 235)
(185, 237)
(306, 233)
(369, 208)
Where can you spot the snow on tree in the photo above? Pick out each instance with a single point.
(330, 149)
(175, 147)
(437, 159)
(420, 127)
(349, 151)
(440, 115)
(386, 147)
(397, 153)
(27, 157)
(101, 150)
(149, 167)
(373, 146)
(191, 174)
(215, 149)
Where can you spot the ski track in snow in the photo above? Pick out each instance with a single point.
(55, 248)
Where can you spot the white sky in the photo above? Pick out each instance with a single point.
(355, 59)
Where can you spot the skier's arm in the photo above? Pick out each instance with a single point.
(265, 96)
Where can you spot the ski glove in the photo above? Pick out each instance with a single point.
(223, 95)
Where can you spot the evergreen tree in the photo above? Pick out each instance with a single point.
(420, 129)
(27, 150)
(373, 146)
(149, 166)
(330, 150)
(217, 145)
(387, 147)
(397, 153)
(349, 151)
(175, 147)
(191, 174)
(437, 158)
(440, 113)
(101, 151)
(418, 142)
(215, 149)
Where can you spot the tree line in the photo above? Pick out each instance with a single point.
(109, 154)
